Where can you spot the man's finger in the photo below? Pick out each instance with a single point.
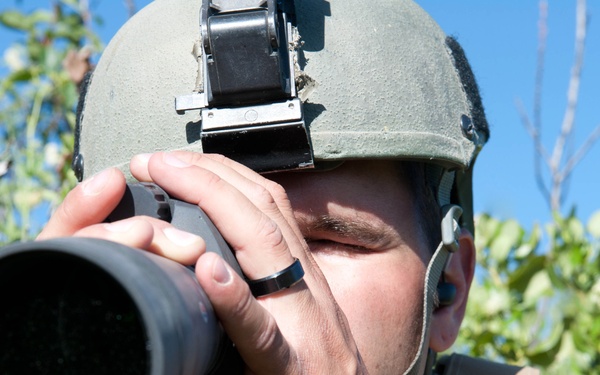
(154, 235)
(259, 243)
(253, 330)
(88, 203)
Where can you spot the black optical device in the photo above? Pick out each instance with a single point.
(90, 306)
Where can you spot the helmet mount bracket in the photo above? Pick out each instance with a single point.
(249, 107)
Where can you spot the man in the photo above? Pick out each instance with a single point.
(349, 271)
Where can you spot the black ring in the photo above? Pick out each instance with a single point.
(278, 281)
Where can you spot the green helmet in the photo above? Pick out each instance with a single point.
(277, 85)
(376, 80)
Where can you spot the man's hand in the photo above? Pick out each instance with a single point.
(86, 207)
(299, 330)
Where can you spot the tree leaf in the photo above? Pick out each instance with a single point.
(14, 19)
(39, 16)
(575, 229)
(497, 301)
(593, 225)
(22, 75)
(523, 251)
(539, 286)
(549, 344)
(545, 358)
(535, 236)
(509, 238)
(520, 278)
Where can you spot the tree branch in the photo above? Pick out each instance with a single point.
(131, 9)
(535, 128)
(575, 159)
(84, 11)
(539, 70)
(540, 150)
(568, 123)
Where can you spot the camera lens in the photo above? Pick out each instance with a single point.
(64, 315)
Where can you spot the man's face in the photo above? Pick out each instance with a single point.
(361, 225)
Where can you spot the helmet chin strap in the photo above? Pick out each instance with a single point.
(435, 269)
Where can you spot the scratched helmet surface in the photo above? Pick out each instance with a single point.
(376, 79)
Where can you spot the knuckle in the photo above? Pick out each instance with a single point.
(279, 195)
(270, 232)
(219, 158)
(268, 336)
(195, 158)
(276, 190)
(213, 181)
(240, 309)
(263, 196)
(273, 199)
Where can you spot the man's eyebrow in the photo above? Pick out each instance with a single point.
(362, 231)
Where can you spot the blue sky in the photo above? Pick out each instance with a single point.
(500, 39)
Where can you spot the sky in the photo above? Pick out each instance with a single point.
(500, 40)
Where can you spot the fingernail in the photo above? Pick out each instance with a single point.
(179, 237)
(220, 272)
(120, 226)
(95, 184)
(142, 158)
(174, 162)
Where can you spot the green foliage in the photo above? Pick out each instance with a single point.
(37, 101)
(535, 299)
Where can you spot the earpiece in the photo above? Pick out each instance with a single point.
(446, 293)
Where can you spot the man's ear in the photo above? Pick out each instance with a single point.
(446, 320)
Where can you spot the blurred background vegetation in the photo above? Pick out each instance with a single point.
(38, 98)
(536, 297)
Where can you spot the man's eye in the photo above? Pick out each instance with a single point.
(334, 246)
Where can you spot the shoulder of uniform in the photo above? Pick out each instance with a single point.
(458, 364)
